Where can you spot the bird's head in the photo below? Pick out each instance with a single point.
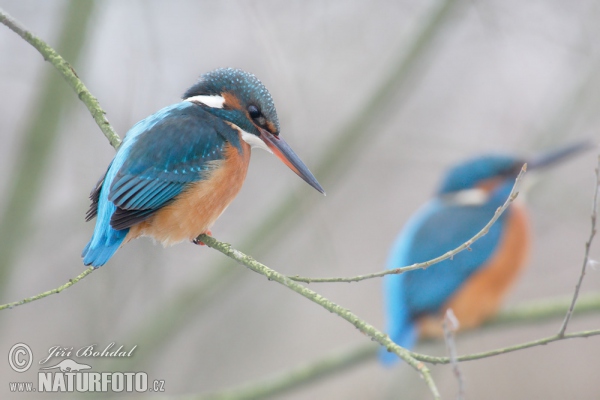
(240, 99)
(472, 181)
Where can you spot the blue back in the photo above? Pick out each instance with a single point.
(442, 229)
(159, 157)
(440, 226)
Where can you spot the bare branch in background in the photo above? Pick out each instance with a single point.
(586, 257)
(509, 349)
(449, 255)
(450, 325)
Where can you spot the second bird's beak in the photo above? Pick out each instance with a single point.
(559, 155)
(285, 153)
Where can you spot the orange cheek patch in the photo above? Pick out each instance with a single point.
(231, 101)
(271, 127)
(490, 184)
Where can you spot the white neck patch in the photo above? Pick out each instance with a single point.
(210, 101)
(253, 140)
(467, 197)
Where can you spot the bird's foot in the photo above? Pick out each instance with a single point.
(196, 241)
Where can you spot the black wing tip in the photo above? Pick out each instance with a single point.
(124, 219)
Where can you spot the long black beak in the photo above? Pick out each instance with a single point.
(559, 155)
(285, 153)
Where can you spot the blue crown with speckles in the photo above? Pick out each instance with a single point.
(246, 86)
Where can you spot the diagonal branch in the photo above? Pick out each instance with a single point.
(59, 289)
(348, 140)
(340, 361)
(586, 257)
(68, 73)
(313, 296)
(511, 197)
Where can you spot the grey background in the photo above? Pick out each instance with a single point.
(505, 76)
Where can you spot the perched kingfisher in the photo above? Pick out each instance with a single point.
(472, 283)
(178, 169)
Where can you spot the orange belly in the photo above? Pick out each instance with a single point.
(481, 296)
(195, 210)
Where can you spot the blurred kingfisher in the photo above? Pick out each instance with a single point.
(178, 169)
(472, 283)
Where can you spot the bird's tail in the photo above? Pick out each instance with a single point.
(105, 241)
(400, 327)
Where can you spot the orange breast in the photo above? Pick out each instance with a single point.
(481, 296)
(196, 209)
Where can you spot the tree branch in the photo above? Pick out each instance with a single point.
(37, 140)
(586, 257)
(411, 358)
(509, 349)
(541, 310)
(533, 311)
(512, 196)
(360, 324)
(450, 325)
(68, 73)
(49, 292)
(329, 168)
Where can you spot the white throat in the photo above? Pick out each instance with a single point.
(467, 197)
(253, 140)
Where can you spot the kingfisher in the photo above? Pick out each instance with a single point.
(178, 169)
(473, 283)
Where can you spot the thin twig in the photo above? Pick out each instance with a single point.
(448, 255)
(59, 289)
(509, 349)
(586, 257)
(450, 324)
(68, 73)
(360, 324)
(544, 309)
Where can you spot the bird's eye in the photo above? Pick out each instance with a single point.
(253, 111)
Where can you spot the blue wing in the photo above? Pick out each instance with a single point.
(176, 151)
(434, 230)
(160, 156)
(439, 229)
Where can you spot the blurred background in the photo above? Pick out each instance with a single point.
(378, 98)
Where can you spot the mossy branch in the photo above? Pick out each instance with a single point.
(38, 139)
(59, 289)
(68, 73)
(413, 359)
(348, 139)
(339, 361)
(313, 296)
